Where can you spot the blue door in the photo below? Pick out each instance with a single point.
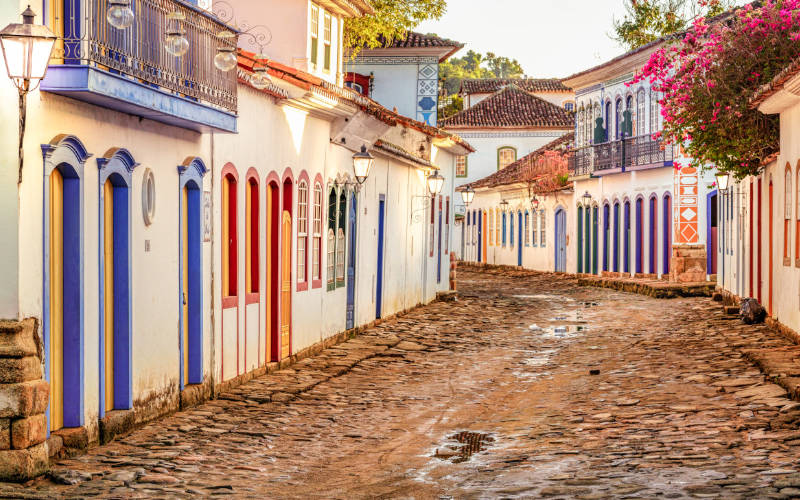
(626, 241)
(519, 239)
(480, 238)
(379, 279)
(561, 241)
(439, 247)
(351, 265)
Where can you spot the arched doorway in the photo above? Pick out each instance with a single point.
(626, 238)
(286, 270)
(273, 238)
(116, 387)
(581, 236)
(639, 233)
(653, 209)
(191, 270)
(63, 313)
(594, 238)
(519, 238)
(606, 235)
(771, 201)
(712, 233)
(561, 240)
(667, 228)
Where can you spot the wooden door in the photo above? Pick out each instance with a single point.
(108, 293)
(185, 281)
(561, 241)
(286, 283)
(56, 332)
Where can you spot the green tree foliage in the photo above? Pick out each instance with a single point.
(649, 20)
(392, 19)
(473, 65)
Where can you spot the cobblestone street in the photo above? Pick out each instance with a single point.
(571, 393)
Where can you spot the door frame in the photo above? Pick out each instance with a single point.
(381, 250)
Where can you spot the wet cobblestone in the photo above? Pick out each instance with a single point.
(581, 392)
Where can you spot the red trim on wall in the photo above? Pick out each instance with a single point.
(287, 204)
(252, 298)
(316, 281)
(229, 302)
(272, 345)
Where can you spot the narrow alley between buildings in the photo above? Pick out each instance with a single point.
(527, 386)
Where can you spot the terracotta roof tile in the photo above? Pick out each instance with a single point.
(512, 173)
(773, 87)
(492, 85)
(512, 107)
(414, 39)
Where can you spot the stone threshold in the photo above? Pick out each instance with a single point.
(649, 286)
(71, 442)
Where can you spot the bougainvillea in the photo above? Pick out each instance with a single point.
(708, 77)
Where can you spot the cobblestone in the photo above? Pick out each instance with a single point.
(675, 410)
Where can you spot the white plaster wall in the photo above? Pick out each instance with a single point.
(395, 85)
(486, 143)
(155, 277)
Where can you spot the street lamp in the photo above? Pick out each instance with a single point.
(468, 194)
(26, 49)
(587, 198)
(175, 41)
(535, 202)
(504, 205)
(722, 181)
(119, 14)
(226, 59)
(362, 163)
(435, 183)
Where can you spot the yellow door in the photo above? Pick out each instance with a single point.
(286, 283)
(56, 300)
(108, 291)
(185, 280)
(270, 287)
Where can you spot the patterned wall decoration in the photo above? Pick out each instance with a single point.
(427, 92)
(686, 206)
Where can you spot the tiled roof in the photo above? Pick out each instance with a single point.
(512, 107)
(492, 85)
(308, 81)
(415, 40)
(769, 89)
(512, 173)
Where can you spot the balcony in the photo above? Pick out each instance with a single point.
(636, 153)
(131, 71)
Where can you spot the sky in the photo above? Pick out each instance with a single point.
(550, 38)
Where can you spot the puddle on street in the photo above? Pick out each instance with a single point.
(461, 446)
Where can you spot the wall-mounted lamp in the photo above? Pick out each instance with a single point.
(587, 198)
(362, 164)
(722, 181)
(435, 183)
(468, 195)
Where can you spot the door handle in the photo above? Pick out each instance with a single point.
(183, 296)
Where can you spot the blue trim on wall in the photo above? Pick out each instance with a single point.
(639, 268)
(653, 228)
(68, 154)
(117, 92)
(615, 264)
(709, 259)
(606, 227)
(191, 174)
(117, 165)
(626, 242)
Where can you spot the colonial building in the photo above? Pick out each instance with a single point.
(552, 90)
(518, 216)
(517, 118)
(759, 216)
(403, 74)
(175, 232)
(639, 208)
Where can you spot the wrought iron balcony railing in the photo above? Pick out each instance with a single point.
(637, 151)
(139, 51)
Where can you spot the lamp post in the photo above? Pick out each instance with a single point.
(468, 195)
(435, 183)
(26, 49)
(534, 203)
(722, 181)
(362, 163)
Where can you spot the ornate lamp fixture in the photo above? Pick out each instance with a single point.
(226, 60)
(119, 14)
(722, 181)
(435, 183)
(587, 198)
(175, 41)
(468, 195)
(362, 164)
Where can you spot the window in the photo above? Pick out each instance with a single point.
(618, 120)
(535, 224)
(326, 40)
(229, 237)
(302, 231)
(497, 226)
(527, 230)
(579, 125)
(511, 228)
(461, 166)
(569, 106)
(787, 215)
(641, 107)
(490, 229)
(316, 258)
(654, 112)
(355, 86)
(505, 157)
(341, 244)
(252, 243)
(542, 226)
(331, 251)
(504, 229)
(314, 35)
